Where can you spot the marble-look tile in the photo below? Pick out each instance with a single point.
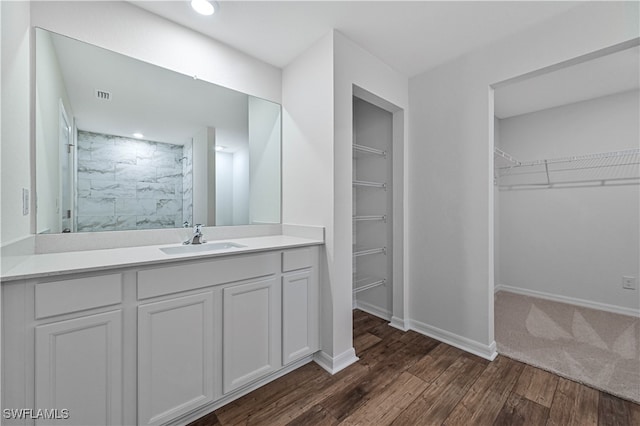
(135, 173)
(154, 222)
(134, 206)
(107, 189)
(155, 190)
(84, 188)
(164, 173)
(96, 170)
(83, 151)
(96, 223)
(166, 159)
(126, 223)
(115, 152)
(96, 206)
(168, 207)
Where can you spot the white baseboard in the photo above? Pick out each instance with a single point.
(569, 300)
(484, 351)
(372, 309)
(399, 323)
(337, 363)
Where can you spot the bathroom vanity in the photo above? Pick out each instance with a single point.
(137, 336)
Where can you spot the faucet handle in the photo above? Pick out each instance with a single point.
(197, 229)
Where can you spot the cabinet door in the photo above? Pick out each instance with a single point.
(79, 369)
(299, 315)
(251, 332)
(175, 357)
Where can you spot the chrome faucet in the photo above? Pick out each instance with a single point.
(198, 238)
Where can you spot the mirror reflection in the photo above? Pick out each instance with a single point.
(122, 145)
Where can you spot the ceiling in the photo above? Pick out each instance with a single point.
(163, 105)
(614, 73)
(410, 36)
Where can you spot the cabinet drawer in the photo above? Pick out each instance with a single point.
(174, 279)
(67, 296)
(296, 259)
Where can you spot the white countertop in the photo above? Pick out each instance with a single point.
(52, 264)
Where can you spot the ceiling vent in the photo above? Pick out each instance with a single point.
(103, 95)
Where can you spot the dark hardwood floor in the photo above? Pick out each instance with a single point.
(410, 379)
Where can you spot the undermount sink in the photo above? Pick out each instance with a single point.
(196, 248)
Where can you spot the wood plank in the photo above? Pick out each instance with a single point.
(613, 411)
(519, 410)
(364, 342)
(209, 420)
(305, 377)
(484, 400)
(387, 405)
(537, 385)
(573, 404)
(440, 398)
(343, 403)
(316, 415)
(300, 400)
(435, 362)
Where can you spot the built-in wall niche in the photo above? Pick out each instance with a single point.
(122, 144)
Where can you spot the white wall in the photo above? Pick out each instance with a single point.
(307, 162)
(575, 242)
(204, 143)
(264, 154)
(50, 90)
(16, 92)
(127, 29)
(317, 163)
(240, 180)
(224, 188)
(451, 209)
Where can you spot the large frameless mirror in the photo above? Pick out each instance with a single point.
(122, 144)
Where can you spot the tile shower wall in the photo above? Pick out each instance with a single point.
(126, 184)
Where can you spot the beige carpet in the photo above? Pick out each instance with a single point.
(597, 348)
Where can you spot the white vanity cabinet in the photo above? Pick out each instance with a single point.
(79, 369)
(159, 344)
(175, 357)
(300, 313)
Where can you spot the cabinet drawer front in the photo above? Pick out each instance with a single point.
(174, 279)
(297, 259)
(63, 297)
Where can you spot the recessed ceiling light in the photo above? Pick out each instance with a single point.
(204, 7)
(138, 135)
(219, 147)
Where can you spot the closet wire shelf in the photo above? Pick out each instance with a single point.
(370, 184)
(607, 168)
(370, 218)
(367, 283)
(366, 252)
(369, 150)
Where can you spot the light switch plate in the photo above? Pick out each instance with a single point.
(629, 283)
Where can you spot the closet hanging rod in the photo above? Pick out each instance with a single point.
(370, 184)
(370, 285)
(366, 218)
(359, 253)
(369, 150)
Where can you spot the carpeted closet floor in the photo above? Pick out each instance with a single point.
(597, 348)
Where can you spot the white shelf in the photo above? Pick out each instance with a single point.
(369, 150)
(370, 218)
(370, 184)
(367, 283)
(366, 252)
(601, 169)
